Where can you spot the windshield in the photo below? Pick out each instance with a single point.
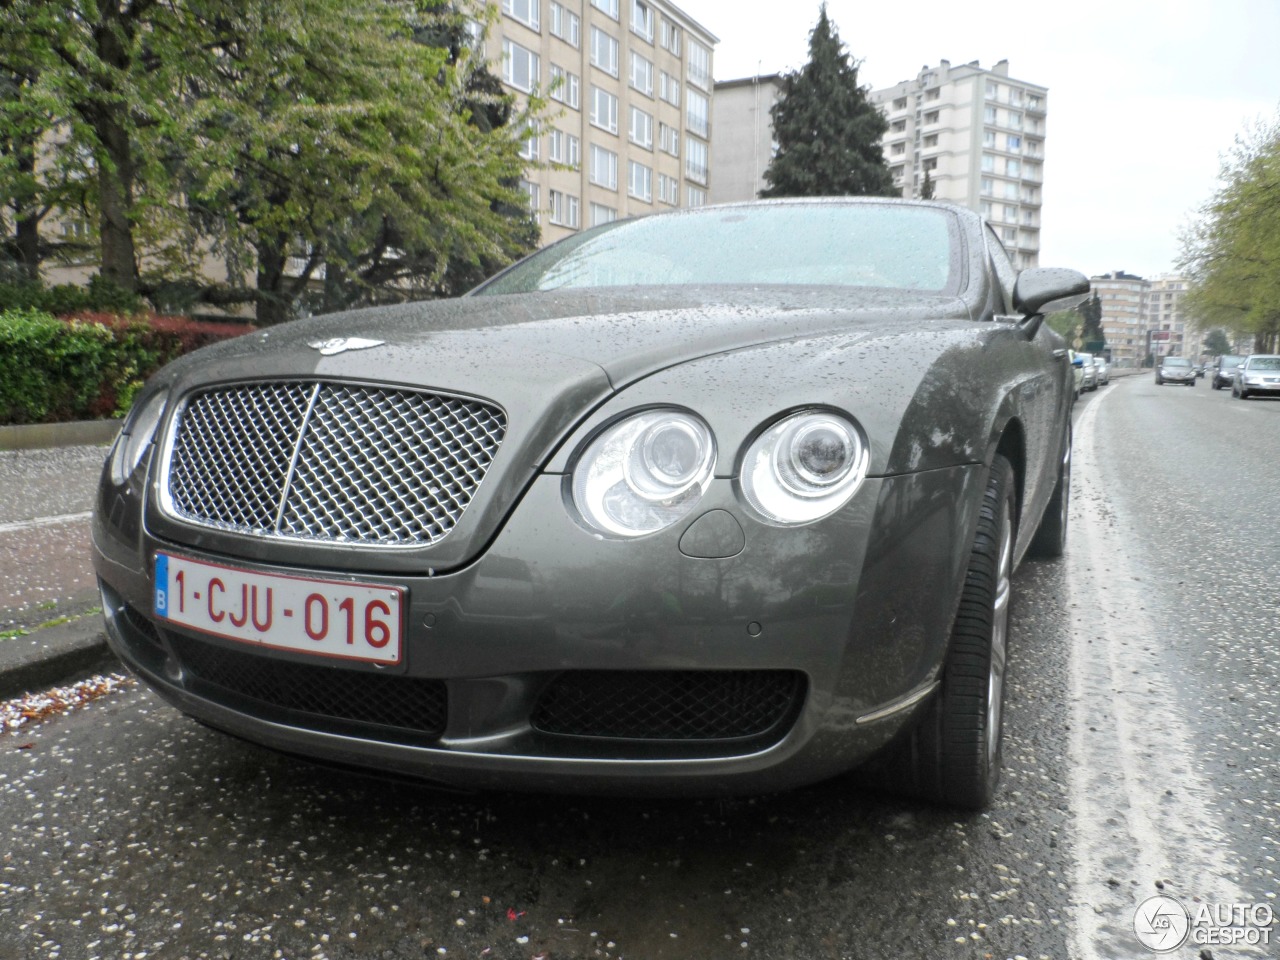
(1231, 362)
(1264, 363)
(898, 247)
(1177, 362)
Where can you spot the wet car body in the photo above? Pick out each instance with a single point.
(722, 653)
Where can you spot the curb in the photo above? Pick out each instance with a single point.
(44, 657)
(33, 436)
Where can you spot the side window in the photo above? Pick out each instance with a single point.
(1005, 273)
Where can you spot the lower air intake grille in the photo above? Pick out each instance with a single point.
(680, 705)
(351, 696)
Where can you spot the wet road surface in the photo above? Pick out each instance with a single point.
(1141, 749)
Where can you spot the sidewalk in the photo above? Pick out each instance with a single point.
(48, 655)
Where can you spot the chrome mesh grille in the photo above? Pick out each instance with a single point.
(330, 462)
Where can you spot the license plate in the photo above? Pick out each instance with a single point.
(327, 618)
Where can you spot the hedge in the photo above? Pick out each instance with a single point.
(89, 365)
(67, 298)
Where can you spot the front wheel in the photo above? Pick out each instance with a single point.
(953, 755)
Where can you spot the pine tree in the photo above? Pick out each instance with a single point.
(828, 132)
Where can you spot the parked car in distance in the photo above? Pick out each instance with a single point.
(1090, 368)
(1258, 375)
(1200, 371)
(681, 504)
(1103, 369)
(1224, 368)
(1175, 370)
(1077, 367)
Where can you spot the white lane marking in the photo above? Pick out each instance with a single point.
(1142, 811)
(44, 522)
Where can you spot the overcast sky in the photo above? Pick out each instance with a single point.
(1144, 97)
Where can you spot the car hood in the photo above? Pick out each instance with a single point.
(548, 360)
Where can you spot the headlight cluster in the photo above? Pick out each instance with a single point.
(647, 471)
(136, 436)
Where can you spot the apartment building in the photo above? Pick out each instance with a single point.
(1124, 320)
(743, 142)
(1164, 315)
(980, 135)
(630, 86)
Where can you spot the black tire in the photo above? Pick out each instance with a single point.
(953, 754)
(1244, 394)
(1050, 541)
(1216, 385)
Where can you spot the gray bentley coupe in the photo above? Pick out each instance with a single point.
(716, 501)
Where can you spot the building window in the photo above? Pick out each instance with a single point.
(897, 174)
(931, 164)
(988, 114)
(669, 88)
(1013, 167)
(531, 191)
(671, 36)
(932, 94)
(604, 51)
(898, 149)
(697, 115)
(474, 30)
(931, 140)
(900, 103)
(984, 208)
(519, 66)
(565, 24)
(564, 148)
(641, 74)
(604, 167)
(604, 109)
(1009, 234)
(609, 7)
(1010, 214)
(566, 88)
(1015, 120)
(1013, 144)
(988, 187)
(529, 146)
(526, 11)
(1015, 97)
(669, 139)
(564, 209)
(931, 117)
(993, 90)
(699, 65)
(639, 181)
(696, 197)
(602, 214)
(898, 126)
(668, 190)
(695, 162)
(988, 163)
(1010, 190)
(641, 128)
(642, 20)
(989, 138)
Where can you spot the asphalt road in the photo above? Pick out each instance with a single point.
(1141, 749)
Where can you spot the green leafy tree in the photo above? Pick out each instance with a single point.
(1091, 332)
(828, 132)
(926, 186)
(1217, 343)
(1067, 323)
(1232, 254)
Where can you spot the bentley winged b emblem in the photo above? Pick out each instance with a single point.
(328, 348)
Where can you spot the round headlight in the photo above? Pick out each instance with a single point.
(804, 467)
(135, 438)
(644, 473)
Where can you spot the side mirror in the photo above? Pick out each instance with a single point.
(1037, 286)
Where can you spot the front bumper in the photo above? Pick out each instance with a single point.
(1270, 385)
(840, 625)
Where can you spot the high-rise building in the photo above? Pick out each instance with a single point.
(1171, 328)
(629, 83)
(743, 136)
(1123, 297)
(979, 136)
